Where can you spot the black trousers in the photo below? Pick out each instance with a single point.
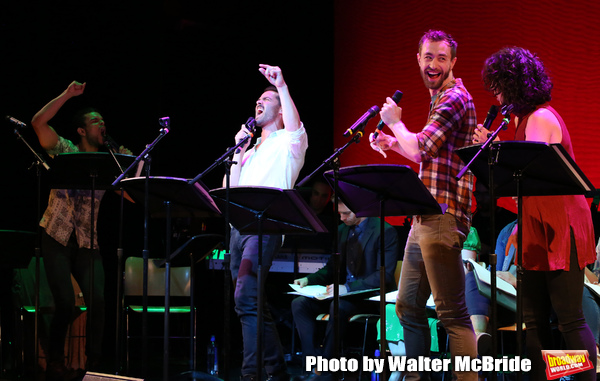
(60, 262)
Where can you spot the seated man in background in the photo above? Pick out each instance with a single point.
(319, 200)
(359, 247)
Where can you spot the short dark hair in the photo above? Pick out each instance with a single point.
(78, 119)
(436, 36)
(521, 78)
(274, 89)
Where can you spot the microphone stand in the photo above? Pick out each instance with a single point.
(111, 148)
(226, 159)
(333, 162)
(145, 253)
(38, 163)
(492, 161)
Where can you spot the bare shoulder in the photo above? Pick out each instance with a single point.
(544, 116)
(543, 126)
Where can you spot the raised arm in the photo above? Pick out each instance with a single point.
(291, 119)
(46, 134)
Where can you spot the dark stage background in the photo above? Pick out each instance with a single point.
(197, 62)
(194, 61)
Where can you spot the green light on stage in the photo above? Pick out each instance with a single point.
(159, 309)
(217, 254)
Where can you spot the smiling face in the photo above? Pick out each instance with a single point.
(267, 108)
(436, 63)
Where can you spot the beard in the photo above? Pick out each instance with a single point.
(437, 84)
(266, 117)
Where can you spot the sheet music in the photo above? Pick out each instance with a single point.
(594, 287)
(483, 275)
(320, 292)
(390, 297)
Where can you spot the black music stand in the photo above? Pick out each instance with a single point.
(527, 169)
(170, 197)
(379, 191)
(264, 210)
(88, 170)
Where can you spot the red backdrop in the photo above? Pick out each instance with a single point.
(376, 47)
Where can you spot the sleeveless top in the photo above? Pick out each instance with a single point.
(547, 221)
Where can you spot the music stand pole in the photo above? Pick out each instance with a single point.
(227, 276)
(380, 190)
(333, 162)
(382, 289)
(119, 286)
(518, 178)
(145, 256)
(90, 316)
(260, 300)
(145, 155)
(493, 256)
(225, 159)
(336, 265)
(39, 162)
(167, 292)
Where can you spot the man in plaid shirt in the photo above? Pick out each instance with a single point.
(432, 258)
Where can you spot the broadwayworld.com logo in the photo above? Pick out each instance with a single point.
(564, 363)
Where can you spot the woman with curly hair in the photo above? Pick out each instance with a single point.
(558, 236)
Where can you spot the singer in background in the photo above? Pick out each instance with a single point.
(558, 235)
(66, 245)
(274, 161)
(432, 258)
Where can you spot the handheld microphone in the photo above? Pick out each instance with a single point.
(16, 122)
(491, 115)
(165, 123)
(506, 110)
(110, 143)
(359, 125)
(251, 126)
(396, 98)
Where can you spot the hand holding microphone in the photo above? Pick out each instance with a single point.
(396, 98)
(113, 146)
(110, 143)
(482, 130)
(247, 132)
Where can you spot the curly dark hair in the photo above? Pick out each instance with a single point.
(521, 78)
(437, 36)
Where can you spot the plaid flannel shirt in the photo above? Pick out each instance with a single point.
(450, 125)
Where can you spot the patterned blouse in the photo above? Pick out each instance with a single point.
(70, 209)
